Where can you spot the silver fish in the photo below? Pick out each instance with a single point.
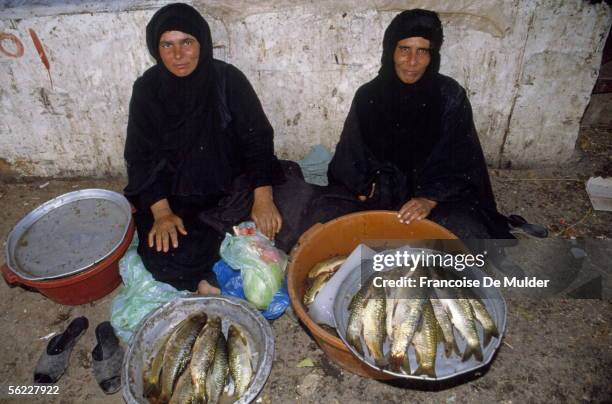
(391, 293)
(151, 376)
(203, 355)
(354, 327)
(374, 325)
(217, 375)
(405, 323)
(183, 391)
(462, 316)
(330, 265)
(239, 360)
(446, 326)
(426, 342)
(316, 287)
(178, 352)
(484, 318)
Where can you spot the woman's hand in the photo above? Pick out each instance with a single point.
(166, 227)
(416, 209)
(264, 212)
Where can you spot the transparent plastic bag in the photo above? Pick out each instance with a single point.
(261, 265)
(139, 295)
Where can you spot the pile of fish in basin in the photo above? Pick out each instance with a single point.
(201, 349)
(434, 332)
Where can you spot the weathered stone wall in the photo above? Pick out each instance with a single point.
(528, 67)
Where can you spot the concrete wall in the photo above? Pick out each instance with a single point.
(529, 68)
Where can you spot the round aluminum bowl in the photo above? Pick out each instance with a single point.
(68, 234)
(146, 340)
(446, 368)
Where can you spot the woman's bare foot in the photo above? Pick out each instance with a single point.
(205, 288)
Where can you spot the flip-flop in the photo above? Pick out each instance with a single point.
(519, 225)
(54, 360)
(107, 358)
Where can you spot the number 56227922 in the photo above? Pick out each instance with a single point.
(32, 390)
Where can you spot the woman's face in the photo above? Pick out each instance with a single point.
(411, 58)
(179, 52)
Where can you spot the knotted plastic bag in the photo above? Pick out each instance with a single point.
(261, 265)
(139, 295)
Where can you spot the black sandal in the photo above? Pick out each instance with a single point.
(54, 360)
(519, 225)
(107, 358)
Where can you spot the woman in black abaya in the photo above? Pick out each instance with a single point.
(409, 143)
(199, 154)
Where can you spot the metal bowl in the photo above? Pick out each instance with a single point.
(68, 234)
(446, 368)
(145, 342)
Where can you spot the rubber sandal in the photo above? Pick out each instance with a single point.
(54, 360)
(107, 358)
(499, 260)
(519, 225)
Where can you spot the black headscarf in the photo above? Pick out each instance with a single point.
(184, 92)
(412, 23)
(187, 115)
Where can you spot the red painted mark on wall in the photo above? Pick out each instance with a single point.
(17, 52)
(41, 52)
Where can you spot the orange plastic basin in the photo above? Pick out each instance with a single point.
(340, 237)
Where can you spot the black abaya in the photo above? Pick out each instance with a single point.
(188, 140)
(413, 140)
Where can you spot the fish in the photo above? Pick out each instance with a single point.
(395, 293)
(461, 314)
(151, 376)
(330, 265)
(391, 293)
(183, 392)
(203, 355)
(178, 352)
(405, 323)
(356, 308)
(316, 287)
(374, 324)
(484, 318)
(240, 366)
(217, 374)
(405, 316)
(443, 318)
(425, 343)
(446, 327)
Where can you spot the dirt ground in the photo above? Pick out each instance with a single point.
(553, 351)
